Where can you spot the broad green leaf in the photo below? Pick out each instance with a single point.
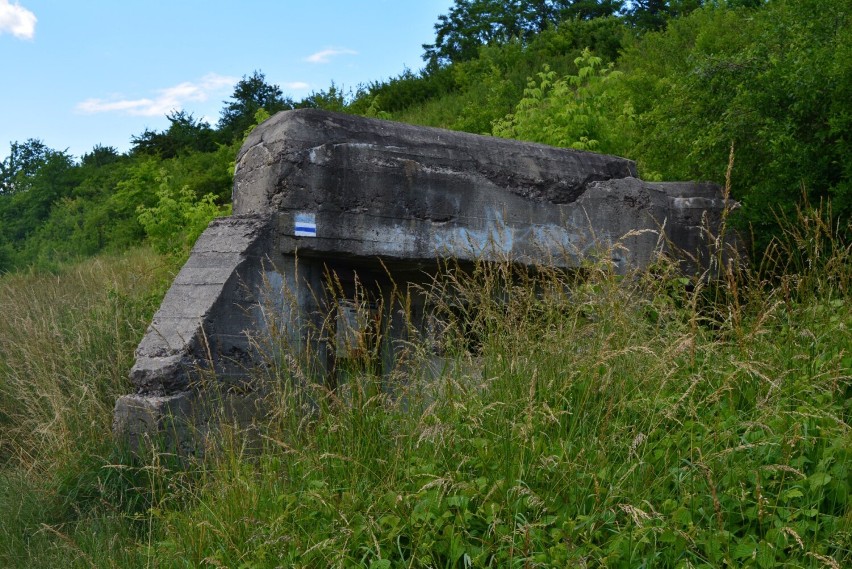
(819, 479)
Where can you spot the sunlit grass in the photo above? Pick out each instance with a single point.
(581, 419)
(66, 345)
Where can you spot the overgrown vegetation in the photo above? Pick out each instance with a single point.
(577, 419)
(595, 420)
(66, 344)
(669, 84)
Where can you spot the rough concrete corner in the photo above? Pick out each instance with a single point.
(208, 306)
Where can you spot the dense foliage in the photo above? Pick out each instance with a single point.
(471, 24)
(54, 208)
(774, 82)
(672, 84)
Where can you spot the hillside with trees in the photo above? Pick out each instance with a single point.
(672, 85)
(658, 420)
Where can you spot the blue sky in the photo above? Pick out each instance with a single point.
(79, 73)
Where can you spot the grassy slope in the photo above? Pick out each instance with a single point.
(630, 420)
(66, 344)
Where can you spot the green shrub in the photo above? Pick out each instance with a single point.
(577, 111)
(178, 218)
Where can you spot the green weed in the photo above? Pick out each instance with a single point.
(555, 419)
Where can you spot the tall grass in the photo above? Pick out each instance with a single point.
(66, 345)
(555, 419)
(581, 419)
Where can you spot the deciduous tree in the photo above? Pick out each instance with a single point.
(474, 23)
(24, 160)
(648, 15)
(774, 81)
(185, 134)
(250, 94)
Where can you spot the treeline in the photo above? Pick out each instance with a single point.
(55, 208)
(675, 85)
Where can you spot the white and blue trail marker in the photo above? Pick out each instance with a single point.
(305, 225)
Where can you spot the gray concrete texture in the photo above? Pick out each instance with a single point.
(339, 192)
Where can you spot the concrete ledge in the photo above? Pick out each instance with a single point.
(162, 421)
(184, 423)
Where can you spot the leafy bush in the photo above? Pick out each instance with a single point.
(177, 219)
(577, 111)
(774, 81)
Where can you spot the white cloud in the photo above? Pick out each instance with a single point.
(325, 55)
(296, 86)
(166, 100)
(16, 20)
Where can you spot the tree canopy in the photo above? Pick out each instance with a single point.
(251, 94)
(474, 23)
(185, 134)
(24, 160)
(671, 84)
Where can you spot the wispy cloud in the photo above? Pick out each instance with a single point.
(165, 100)
(16, 20)
(296, 86)
(325, 55)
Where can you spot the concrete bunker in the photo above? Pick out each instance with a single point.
(353, 207)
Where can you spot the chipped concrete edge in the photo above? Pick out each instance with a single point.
(175, 346)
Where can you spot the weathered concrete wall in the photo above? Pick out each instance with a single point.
(393, 169)
(377, 188)
(342, 193)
